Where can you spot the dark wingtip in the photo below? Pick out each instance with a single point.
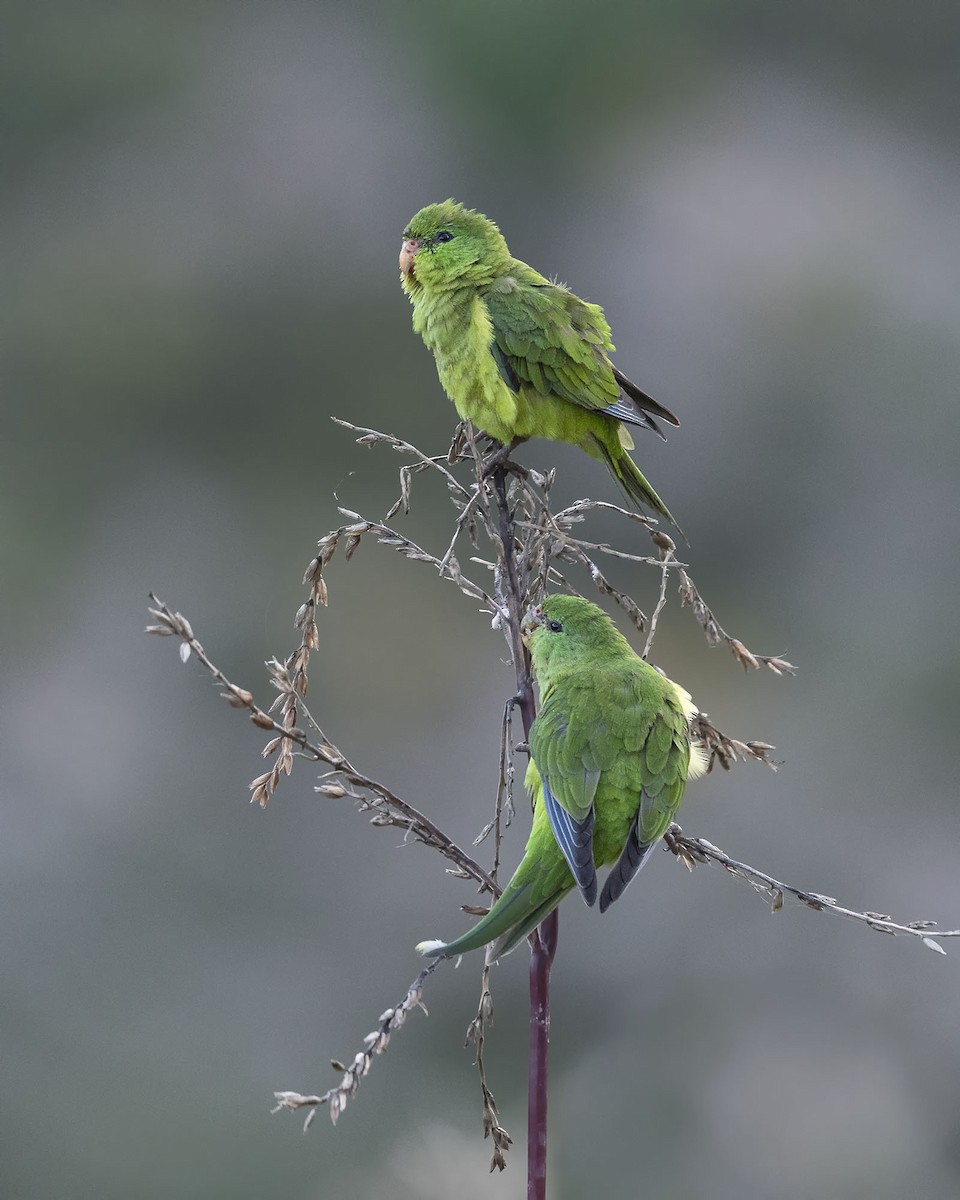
(647, 403)
(575, 839)
(632, 857)
(633, 414)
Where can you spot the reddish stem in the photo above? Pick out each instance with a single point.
(543, 948)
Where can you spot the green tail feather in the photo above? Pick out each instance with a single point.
(630, 478)
(509, 921)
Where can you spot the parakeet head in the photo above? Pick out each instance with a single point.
(567, 630)
(447, 246)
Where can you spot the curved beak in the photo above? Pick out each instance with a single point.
(531, 622)
(408, 254)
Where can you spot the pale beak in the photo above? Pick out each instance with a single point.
(408, 254)
(531, 622)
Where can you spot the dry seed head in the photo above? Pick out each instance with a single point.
(334, 790)
(687, 590)
(663, 542)
(780, 666)
(743, 655)
(313, 571)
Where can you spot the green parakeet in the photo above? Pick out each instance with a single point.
(610, 755)
(521, 356)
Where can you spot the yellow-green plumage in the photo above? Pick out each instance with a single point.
(610, 756)
(519, 355)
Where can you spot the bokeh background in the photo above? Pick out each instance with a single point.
(201, 211)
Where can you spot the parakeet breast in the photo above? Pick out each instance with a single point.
(456, 327)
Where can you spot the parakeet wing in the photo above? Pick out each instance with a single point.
(570, 768)
(575, 839)
(550, 339)
(663, 763)
(664, 760)
(546, 337)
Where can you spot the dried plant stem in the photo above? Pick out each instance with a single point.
(715, 633)
(375, 1042)
(503, 809)
(476, 1032)
(691, 851)
(514, 602)
(543, 942)
(666, 559)
(343, 779)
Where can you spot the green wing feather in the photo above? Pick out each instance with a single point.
(570, 755)
(570, 772)
(551, 340)
(664, 773)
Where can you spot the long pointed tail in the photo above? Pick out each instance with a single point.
(517, 913)
(630, 478)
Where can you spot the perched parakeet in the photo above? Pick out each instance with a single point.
(610, 755)
(519, 355)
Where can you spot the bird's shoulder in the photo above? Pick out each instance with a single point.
(591, 714)
(548, 339)
(523, 298)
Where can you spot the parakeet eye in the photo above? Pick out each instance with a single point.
(556, 627)
(444, 236)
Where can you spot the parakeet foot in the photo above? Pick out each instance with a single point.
(501, 458)
(670, 840)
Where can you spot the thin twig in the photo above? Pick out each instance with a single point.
(343, 779)
(374, 1043)
(691, 851)
(503, 808)
(715, 633)
(727, 750)
(476, 1034)
(370, 437)
(666, 560)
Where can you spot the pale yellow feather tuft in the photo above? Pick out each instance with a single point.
(699, 758)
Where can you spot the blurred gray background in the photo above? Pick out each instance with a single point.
(201, 214)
